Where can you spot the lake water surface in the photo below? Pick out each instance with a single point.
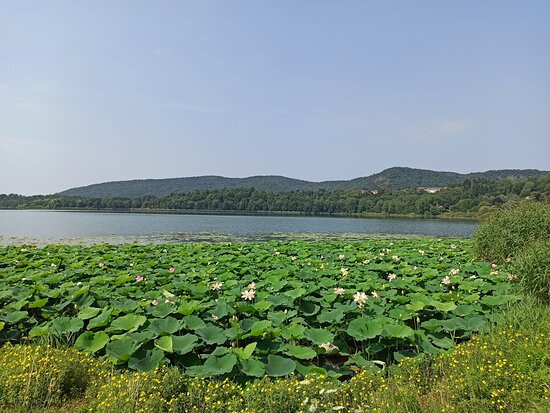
(69, 224)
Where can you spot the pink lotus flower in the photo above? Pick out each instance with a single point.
(154, 302)
(172, 269)
(139, 278)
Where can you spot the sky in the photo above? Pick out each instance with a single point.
(95, 91)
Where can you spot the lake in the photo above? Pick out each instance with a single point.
(57, 225)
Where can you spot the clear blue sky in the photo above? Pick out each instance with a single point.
(92, 91)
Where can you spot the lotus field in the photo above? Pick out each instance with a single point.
(250, 309)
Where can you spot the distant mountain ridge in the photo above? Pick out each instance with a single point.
(393, 178)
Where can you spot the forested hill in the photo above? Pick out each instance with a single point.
(392, 178)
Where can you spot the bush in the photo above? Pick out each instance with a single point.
(532, 266)
(510, 229)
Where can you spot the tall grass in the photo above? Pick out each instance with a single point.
(532, 266)
(509, 230)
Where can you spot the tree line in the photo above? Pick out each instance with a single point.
(471, 196)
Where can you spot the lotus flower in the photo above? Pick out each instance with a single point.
(248, 294)
(217, 286)
(329, 348)
(446, 280)
(392, 277)
(139, 278)
(172, 269)
(360, 298)
(339, 291)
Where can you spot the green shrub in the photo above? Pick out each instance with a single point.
(532, 266)
(510, 229)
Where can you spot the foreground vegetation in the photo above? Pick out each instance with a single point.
(473, 197)
(252, 309)
(505, 369)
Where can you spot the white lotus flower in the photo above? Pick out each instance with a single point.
(392, 277)
(446, 280)
(339, 291)
(329, 348)
(366, 261)
(344, 271)
(360, 298)
(375, 294)
(454, 271)
(341, 257)
(395, 258)
(251, 286)
(421, 252)
(217, 286)
(248, 294)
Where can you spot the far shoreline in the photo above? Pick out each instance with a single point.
(449, 216)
